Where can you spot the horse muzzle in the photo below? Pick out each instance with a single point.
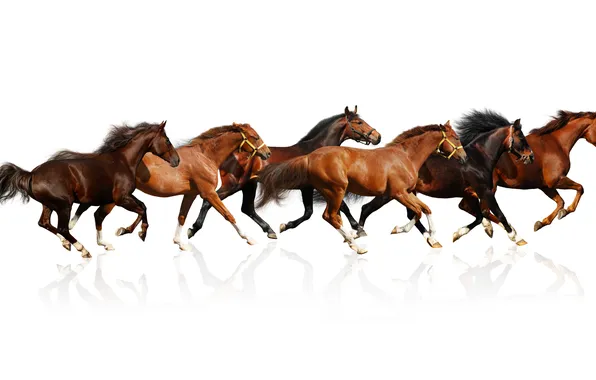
(527, 158)
(175, 161)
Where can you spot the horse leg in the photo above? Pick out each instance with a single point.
(226, 189)
(63, 220)
(80, 210)
(414, 204)
(567, 183)
(355, 226)
(132, 204)
(249, 193)
(307, 200)
(44, 222)
(472, 206)
(221, 208)
(555, 196)
(371, 207)
(331, 216)
(100, 214)
(489, 197)
(187, 202)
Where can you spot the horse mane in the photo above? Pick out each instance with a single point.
(562, 119)
(477, 123)
(416, 131)
(118, 137)
(323, 125)
(213, 133)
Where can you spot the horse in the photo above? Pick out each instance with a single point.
(235, 175)
(391, 171)
(486, 136)
(104, 178)
(552, 145)
(197, 174)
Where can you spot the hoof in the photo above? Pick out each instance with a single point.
(272, 235)
(358, 250)
(563, 213)
(283, 227)
(121, 231)
(456, 236)
(143, 235)
(190, 233)
(521, 242)
(436, 245)
(360, 233)
(67, 245)
(538, 225)
(251, 241)
(109, 247)
(85, 254)
(397, 230)
(489, 232)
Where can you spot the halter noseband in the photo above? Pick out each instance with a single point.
(455, 147)
(247, 142)
(365, 136)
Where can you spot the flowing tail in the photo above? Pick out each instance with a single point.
(14, 181)
(277, 179)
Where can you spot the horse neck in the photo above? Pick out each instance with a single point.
(331, 136)
(134, 151)
(219, 148)
(571, 133)
(419, 148)
(488, 148)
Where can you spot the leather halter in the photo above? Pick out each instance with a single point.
(365, 136)
(455, 147)
(247, 142)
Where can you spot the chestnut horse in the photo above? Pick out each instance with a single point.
(552, 145)
(486, 136)
(391, 171)
(105, 177)
(236, 176)
(197, 174)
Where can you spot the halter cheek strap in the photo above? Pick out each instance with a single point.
(455, 147)
(247, 142)
(365, 136)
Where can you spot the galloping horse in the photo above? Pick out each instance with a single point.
(197, 174)
(104, 178)
(552, 145)
(390, 171)
(235, 175)
(486, 136)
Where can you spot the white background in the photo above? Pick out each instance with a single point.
(68, 70)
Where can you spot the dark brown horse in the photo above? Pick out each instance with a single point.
(390, 171)
(552, 145)
(105, 177)
(486, 136)
(239, 172)
(197, 173)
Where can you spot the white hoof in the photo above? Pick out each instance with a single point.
(459, 233)
(109, 247)
(250, 241)
(282, 227)
(397, 230)
(121, 231)
(358, 250)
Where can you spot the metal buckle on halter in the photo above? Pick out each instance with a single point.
(455, 147)
(247, 142)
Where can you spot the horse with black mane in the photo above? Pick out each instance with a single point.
(239, 172)
(105, 177)
(486, 137)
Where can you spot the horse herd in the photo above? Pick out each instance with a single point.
(484, 151)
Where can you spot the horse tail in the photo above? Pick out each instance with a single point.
(277, 179)
(348, 198)
(14, 181)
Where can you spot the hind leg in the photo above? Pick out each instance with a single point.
(567, 183)
(355, 226)
(80, 210)
(100, 214)
(212, 198)
(307, 201)
(131, 203)
(555, 196)
(63, 220)
(249, 193)
(371, 207)
(44, 222)
(491, 202)
(472, 206)
(418, 207)
(331, 216)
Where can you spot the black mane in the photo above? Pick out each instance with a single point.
(118, 137)
(323, 125)
(477, 123)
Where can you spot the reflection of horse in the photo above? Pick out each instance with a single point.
(62, 285)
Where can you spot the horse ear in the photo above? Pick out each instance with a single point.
(163, 124)
(448, 124)
(517, 123)
(355, 109)
(346, 111)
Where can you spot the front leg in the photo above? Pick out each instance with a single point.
(371, 207)
(307, 200)
(355, 226)
(212, 198)
(249, 193)
(131, 203)
(489, 198)
(567, 183)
